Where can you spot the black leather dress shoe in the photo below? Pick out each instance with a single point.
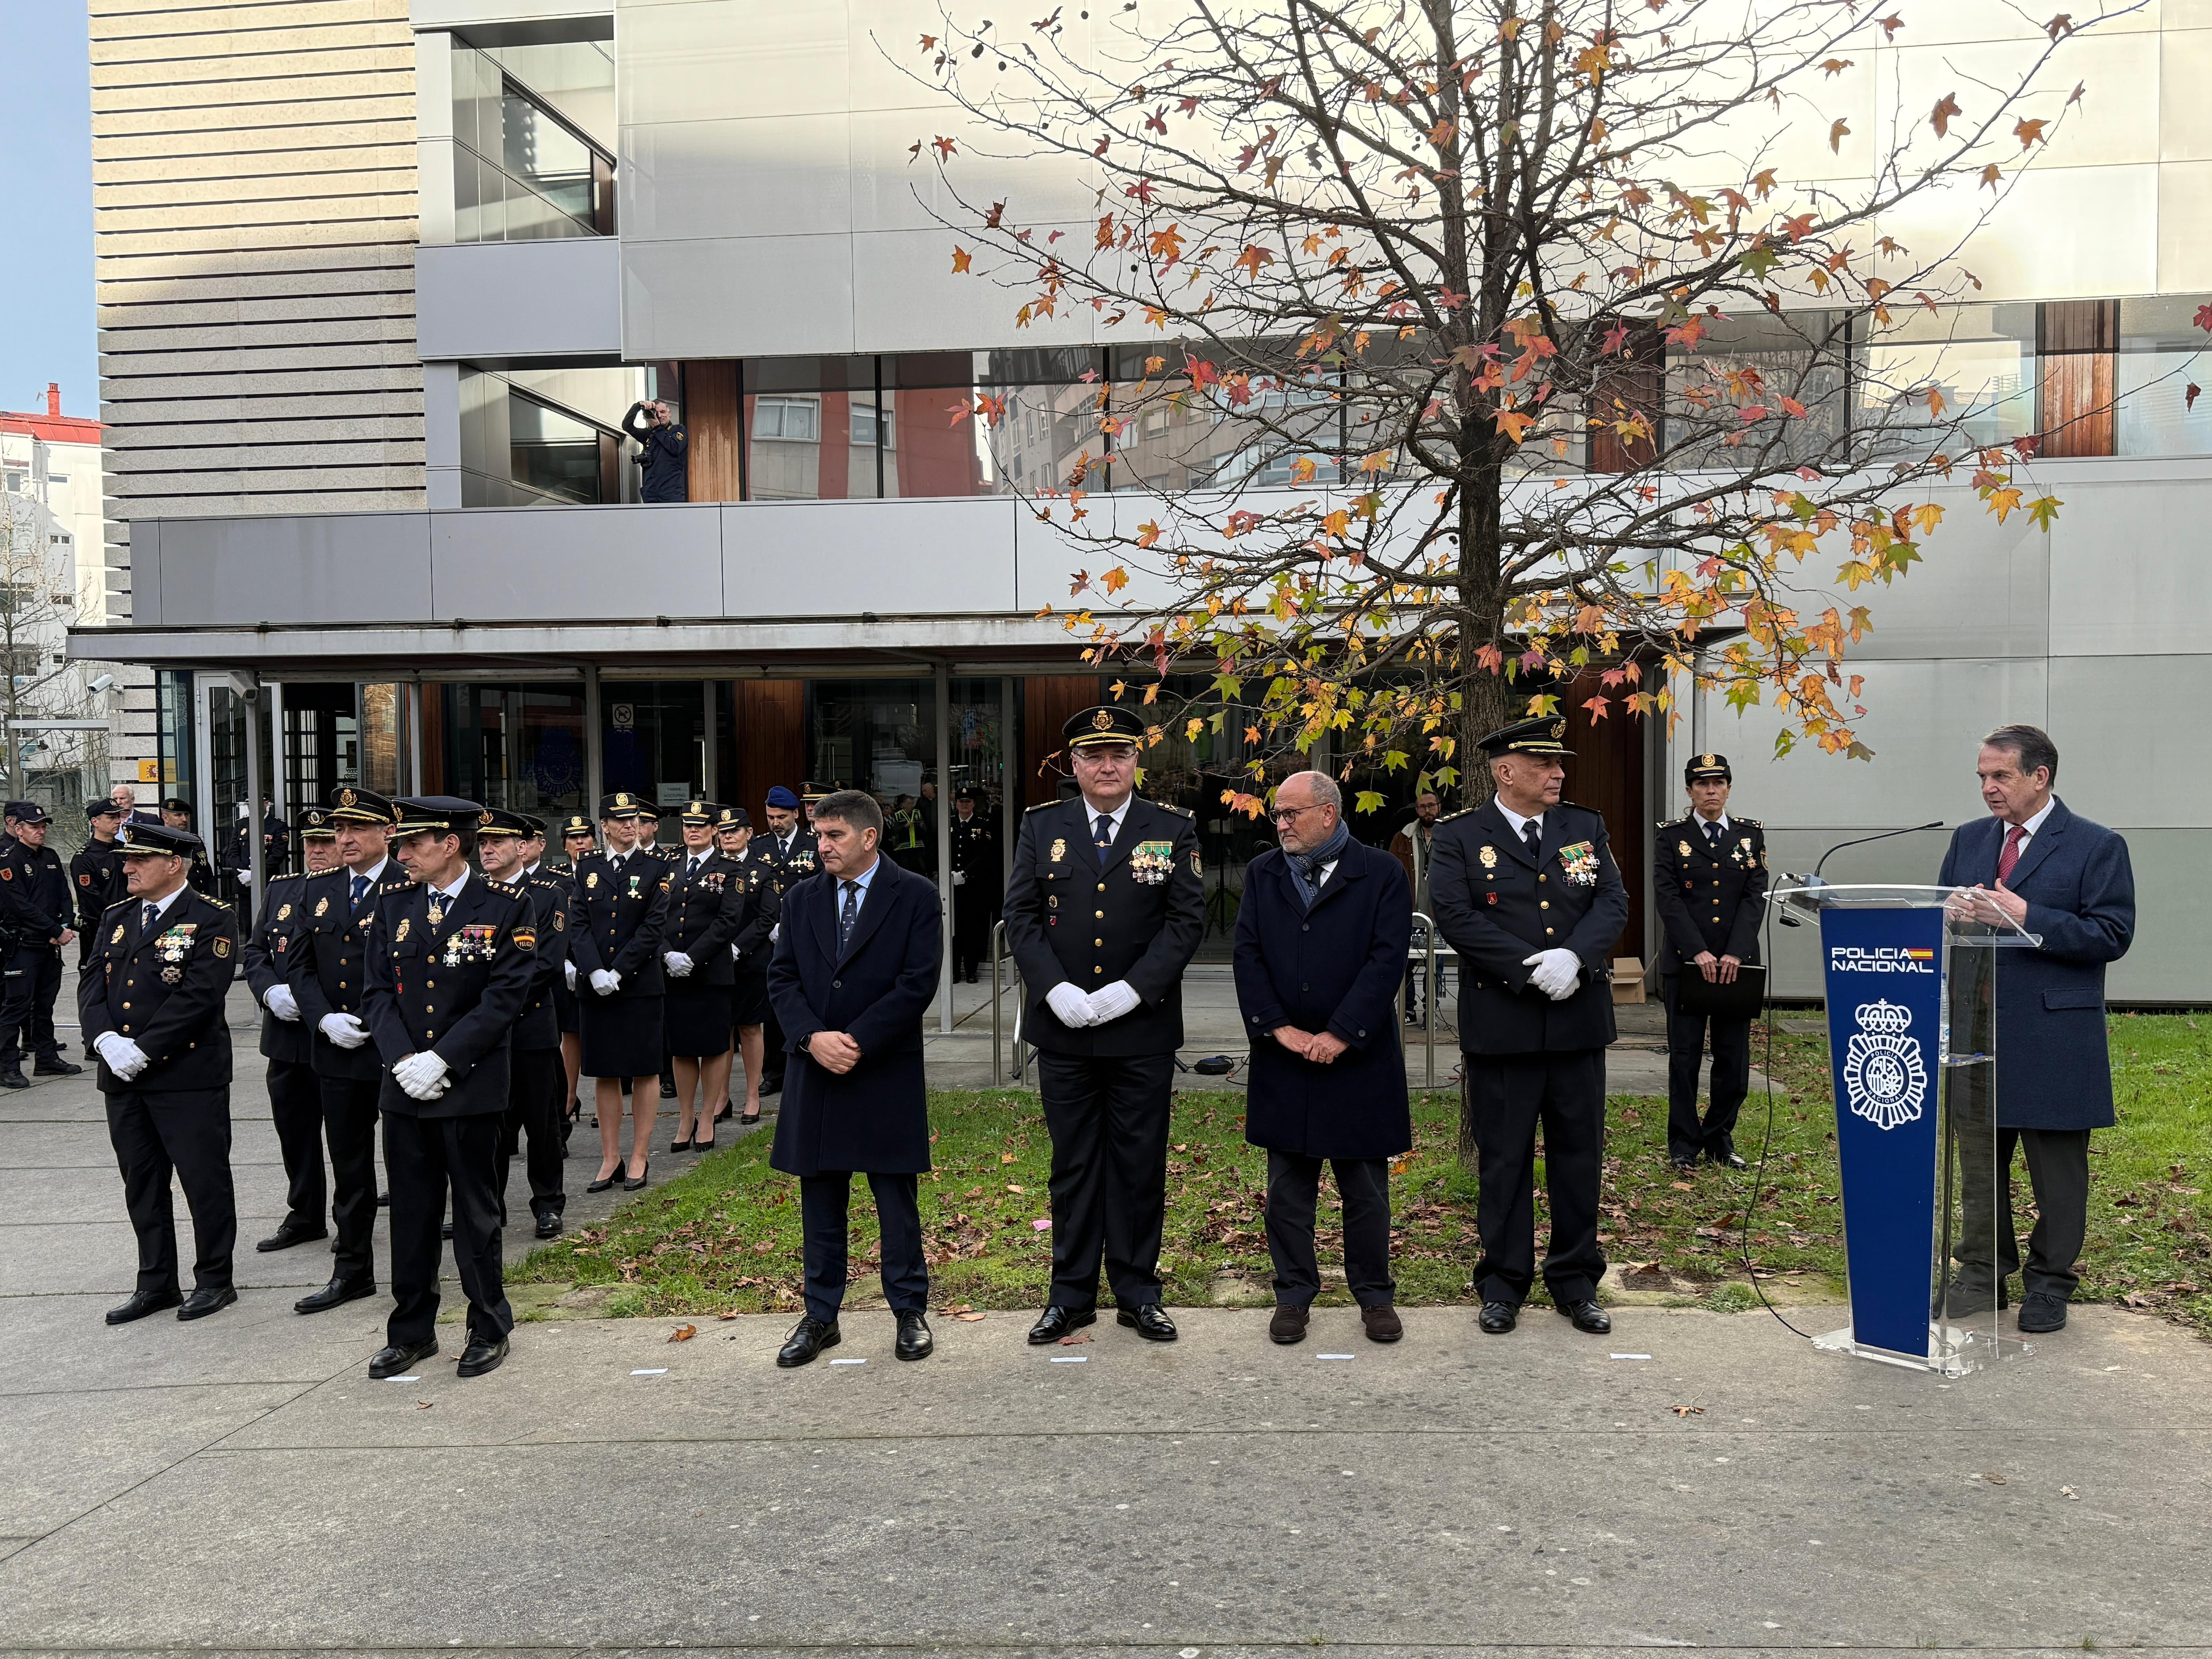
(1683, 1167)
(1588, 1317)
(1150, 1322)
(336, 1294)
(807, 1338)
(483, 1354)
(631, 1184)
(12, 1078)
(1289, 1323)
(401, 1357)
(549, 1226)
(288, 1235)
(56, 1067)
(1963, 1297)
(1497, 1318)
(141, 1303)
(1056, 1322)
(914, 1341)
(2042, 1313)
(1726, 1157)
(200, 1304)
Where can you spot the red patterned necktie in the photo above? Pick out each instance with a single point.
(2010, 856)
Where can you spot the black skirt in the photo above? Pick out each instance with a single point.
(565, 1007)
(621, 1037)
(697, 1017)
(748, 997)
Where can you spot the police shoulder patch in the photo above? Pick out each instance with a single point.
(526, 938)
(222, 947)
(84, 880)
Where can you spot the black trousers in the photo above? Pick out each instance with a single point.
(430, 1156)
(2058, 1175)
(536, 1081)
(34, 980)
(1687, 1137)
(1510, 1096)
(824, 1201)
(1109, 1122)
(972, 930)
(295, 1103)
(349, 1128)
(187, 1132)
(1294, 1193)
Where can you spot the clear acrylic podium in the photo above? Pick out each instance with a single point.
(1910, 977)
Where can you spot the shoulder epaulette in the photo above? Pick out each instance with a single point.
(1461, 813)
(1180, 811)
(1753, 822)
(120, 904)
(1042, 805)
(506, 887)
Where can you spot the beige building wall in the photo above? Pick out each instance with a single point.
(254, 183)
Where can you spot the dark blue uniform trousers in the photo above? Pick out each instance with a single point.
(428, 1157)
(185, 1131)
(1510, 1095)
(823, 1203)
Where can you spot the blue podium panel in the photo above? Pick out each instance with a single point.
(1886, 1038)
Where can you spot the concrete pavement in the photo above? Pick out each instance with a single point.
(240, 1483)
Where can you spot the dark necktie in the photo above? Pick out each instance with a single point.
(849, 914)
(1713, 837)
(1533, 833)
(360, 886)
(153, 915)
(1102, 835)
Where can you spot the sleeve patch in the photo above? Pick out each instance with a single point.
(222, 947)
(526, 938)
(84, 880)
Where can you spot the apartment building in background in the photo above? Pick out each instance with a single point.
(379, 280)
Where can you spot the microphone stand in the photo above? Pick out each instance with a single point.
(1813, 880)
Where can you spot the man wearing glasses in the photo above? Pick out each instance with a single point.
(1104, 912)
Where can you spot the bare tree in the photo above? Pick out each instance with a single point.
(38, 604)
(1483, 348)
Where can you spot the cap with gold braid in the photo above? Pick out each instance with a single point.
(1107, 723)
(698, 813)
(577, 824)
(733, 818)
(140, 840)
(437, 815)
(1538, 736)
(498, 821)
(315, 824)
(622, 805)
(1703, 768)
(352, 806)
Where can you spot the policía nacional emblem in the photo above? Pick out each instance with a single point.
(322, 905)
(1102, 721)
(1885, 1079)
(284, 911)
(399, 935)
(1059, 850)
(1682, 847)
(591, 880)
(1489, 857)
(347, 798)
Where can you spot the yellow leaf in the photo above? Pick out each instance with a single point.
(961, 259)
(1936, 403)
(683, 1334)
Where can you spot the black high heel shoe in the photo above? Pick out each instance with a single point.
(680, 1146)
(605, 1180)
(706, 1146)
(631, 1184)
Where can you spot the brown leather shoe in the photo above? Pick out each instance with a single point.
(1289, 1324)
(1382, 1323)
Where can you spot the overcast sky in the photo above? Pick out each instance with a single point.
(45, 138)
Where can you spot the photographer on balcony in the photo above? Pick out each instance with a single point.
(664, 447)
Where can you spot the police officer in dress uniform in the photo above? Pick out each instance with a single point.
(1709, 884)
(152, 1004)
(706, 908)
(96, 874)
(535, 1103)
(326, 964)
(578, 837)
(750, 948)
(788, 850)
(1104, 912)
(452, 959)
(1526, 892)
(35, 908)
(295, 1096)
(977, 873)
(177, 814)
(621, 911)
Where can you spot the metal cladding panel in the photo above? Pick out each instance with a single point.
(338, 567)
(885, 558)
(528, 563)
(561, 297)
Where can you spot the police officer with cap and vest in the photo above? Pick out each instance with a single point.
(151, 1001)
(537, 1095)
(1710, 885)
(1104, 912)
(326, 966)
(96, 874)
(35, 911)
(452, 957)
(1526, 892)
(295, 1094)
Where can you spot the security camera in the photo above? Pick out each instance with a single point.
(102, 682)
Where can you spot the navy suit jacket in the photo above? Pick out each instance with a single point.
(876, 1116)
(2054, 1065)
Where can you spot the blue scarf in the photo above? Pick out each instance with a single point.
(1306, 867)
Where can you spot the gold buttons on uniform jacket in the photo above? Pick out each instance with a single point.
(1540, 877)
(1543, 904)
(1100, 914)
(1100, 943)
(1101, 886)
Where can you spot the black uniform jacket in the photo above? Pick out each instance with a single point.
(1138, 918)
(165, 991)
(266, 949)
(976, 855)
(35, 893)
(619, 918)
(326, 961)
(96, 877)
(1709, 901)
(1497, 903)
(455, 988)
(787, 868)
(758, 913)
(706, 909)
(551, 897)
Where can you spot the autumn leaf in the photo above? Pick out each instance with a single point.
(2029, 133)
(1147, 533)
(2043, 509)
(1513, 423)
(683, 1334)
(1936, 403)
(1006, 1157)
(1073, 1341)
(1837, 134)
(2062, 24)
(962, 258)
(1890, 27)
(1836, 66)
(971, 1317)
(1990, 174)
(945, 147)
(1687, 1411)
(2189, 396)
(1115, 580)
(1946, 108)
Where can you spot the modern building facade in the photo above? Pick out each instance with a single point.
(379, 281)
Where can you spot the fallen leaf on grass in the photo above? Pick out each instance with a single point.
(683, 1334)
(1006, 1157)
(1681, 1186)
(1071, 1341)
(1687, 1411)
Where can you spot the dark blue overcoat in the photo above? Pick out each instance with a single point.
(2054, 1066)
(876, 1117)
(1334, 967)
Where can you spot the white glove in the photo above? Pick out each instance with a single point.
(422, 1075)
(569, 970)
(604, 980)
(344, 1030)
(1557, 972)
(124, 1058)
(1071, 1005)
(960, 878)
(1112, 1001)
(775, 933)
(678, 963)
(281, 1002)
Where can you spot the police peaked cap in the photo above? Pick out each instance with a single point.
(498, 821)
(733, 818)
(315, 824)
(1107, 723)
(1703, 768)
(351, 805)
(438, 815)
(623, 805)
(1537, 736)
(28, 811)
(146, 838)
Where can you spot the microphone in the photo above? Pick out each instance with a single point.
(1813, 880)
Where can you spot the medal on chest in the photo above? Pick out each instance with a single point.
(1152, 861)
(1578, 864)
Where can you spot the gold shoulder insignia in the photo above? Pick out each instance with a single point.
(1042, 806)
(1461, 813)
(1754, 823)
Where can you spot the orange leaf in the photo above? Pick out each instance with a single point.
(683, 1334)
(2029, 132)
(961, 259)
(1837, 135)
(1147, 533)
(1936, 403)
(1513, 423)
(2189, 396)
(1946, 108)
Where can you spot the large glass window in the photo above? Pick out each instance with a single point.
(1753, 361)
(1981, 360)
(654, 734)
(812, 424)
(881, 735)
(555, 454)
(522, 170)
(2162, 357)
(517, 746)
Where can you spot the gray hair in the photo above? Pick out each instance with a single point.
(855, 807)
(2030, 742)
(1325, 791)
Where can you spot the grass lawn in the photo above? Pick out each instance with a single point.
(724, 1236)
